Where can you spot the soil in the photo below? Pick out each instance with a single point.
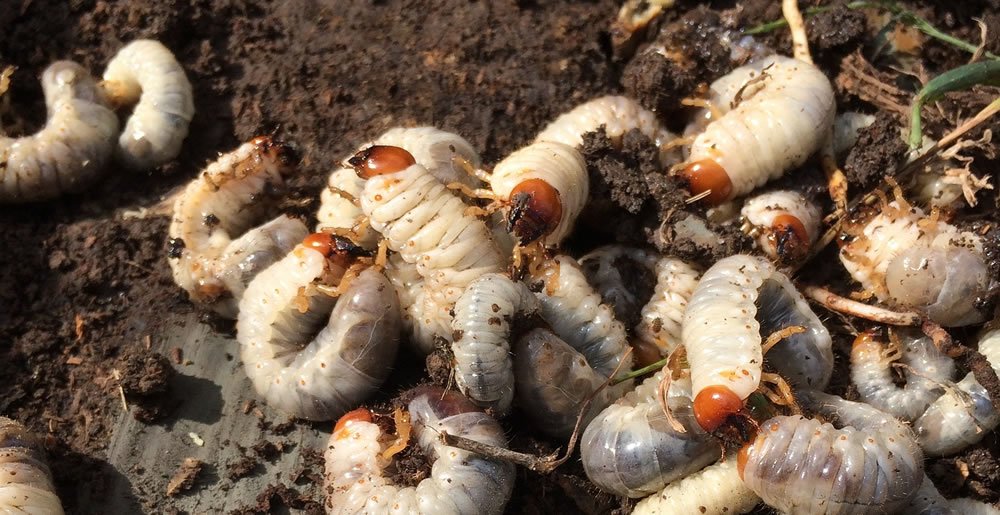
(87, 294)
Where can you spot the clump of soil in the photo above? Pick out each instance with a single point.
(145, 379)
(878, 150)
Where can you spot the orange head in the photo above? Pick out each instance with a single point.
(789, 237)
(535, 210)
(358, 415)
(380, 160)
(276, 149)
(715, 404)
(335, 248)
(705, 175)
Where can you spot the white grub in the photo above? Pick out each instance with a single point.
(617, 115)
(846, 130)
(438, 151)
(928, 501)
(964, 414)
(576, 314)
(483, 368)
(428, 226)
(920, 263)
(927, 369)
(553, 382)
(71, 151)
(147, 74)
(737, 300)
(460, 482)
(25, 480)
(604, 267)
(423, 316)
(561, 174)
(775, 113)
(660, 325)
(633, 449)
(786, 224)
(222, 203)
(307, 353)
(880, 465)
(714, 490)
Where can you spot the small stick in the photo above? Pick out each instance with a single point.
(834, 302)
(980, 366)
(800, 42)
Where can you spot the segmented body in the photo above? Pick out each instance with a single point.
(789, 463)
(738, 300)
(786, 223)
(73, 148)
(435, 149)
(223, 202)
(25, 480)
(964, 414)
(714, 490)
(558, 165)
(928, 501)
(776, 113)
(426, 224)
(927, 369)
(617, 114)
(483, 368)
(553, 381)
(576, 314)
(460, 482)
(147, 72)
(919, 263)
(317, 376)
(632, 449)
(660, 326)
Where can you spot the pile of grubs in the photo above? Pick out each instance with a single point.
(656, 317)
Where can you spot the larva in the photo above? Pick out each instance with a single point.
(632, 449)
(927, 369)
(224, 201)
(26, 485)
(425, 222)
(618, 273)
(920, 263)
(879, 464)
(659, 330)
(460, 482)
(737, 300)
(435, 149)
(553, 381)
(147, 74)
(786, 224)
(617, 114)
(546, 185)
(776, 113)
(575, 312)
(423, 316)
(317, 376)
(71, 151)
(483, 368)
(965, 413)
(714, 490)
(928, 501)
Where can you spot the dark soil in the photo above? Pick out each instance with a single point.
(86, 286)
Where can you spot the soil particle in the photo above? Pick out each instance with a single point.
(145, 380)
(839, 30)
(242, 467)
(878, 150)
(184, 478)
(276, 496)
(693, 52)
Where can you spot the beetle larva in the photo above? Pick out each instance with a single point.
(25, 480)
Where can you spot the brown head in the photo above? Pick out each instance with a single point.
(708, 175)
(381, 160)
(337, 249)
(789, 238)
(535, 210)
(714, 405)
(358, 415)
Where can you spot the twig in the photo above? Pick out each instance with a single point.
(834, 302)
(981, 368)
(121, 391)
(542, 464)
(800, 41)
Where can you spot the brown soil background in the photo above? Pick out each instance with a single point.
(85, 285)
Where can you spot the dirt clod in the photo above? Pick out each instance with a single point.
(877, 152)
(185, 476)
